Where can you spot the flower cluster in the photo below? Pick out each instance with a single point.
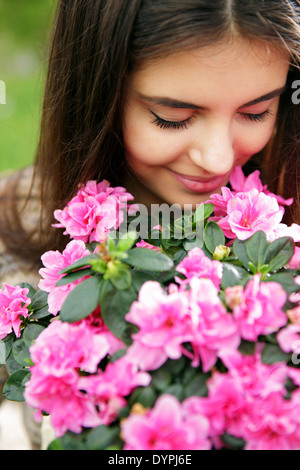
(94, 211)
(76, 400)
(13, 309)
(248, 207)
(164, 344)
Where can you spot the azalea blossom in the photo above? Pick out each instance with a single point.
(164, 324)
(13, 309)
(249, 207)
(248, 402)
(58, 354)
(167, 426)
(274, 424)
(53, 262)
(294, 262)
(213, 328)
(144, 244)
(250, 212)
(94, 211)
(197, 264)
(109, 388)
(241, 183)
(257, 309)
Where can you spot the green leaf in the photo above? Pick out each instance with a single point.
(213, 236)
(197, 386)
(69, 441)
(272, 353)
(31, 332)
(82, 300)
(161, 379)
(115, 304)
(81, 263)
(149, 260)
(279, 253)
(103, 437)
(177, 390)
(74, 276)
(195, 242)
(120, 278)
(6, 347)
(20, 352)
(39, 300)
(139, 278)
(202, 212)
(247, 348)
(127, 241)
(233, 442)
(2, 352)
(146, 396)
(32, 290)
(239, 249)
(41, 313)
(15, 385)
(256, 247)
(285, 279)
(234, 275)
(11, 364)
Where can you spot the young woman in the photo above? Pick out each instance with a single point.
(166, 98)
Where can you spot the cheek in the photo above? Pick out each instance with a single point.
(251, 142)
(146, 145)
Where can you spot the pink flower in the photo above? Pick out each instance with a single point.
(109, 388)
(254, 378)
(54, 261)
(168, 426)
(250, 212)
(225, 407)
(95, 322)
(13, 308)
(213, 328)
(289, 338)
(196, 264)
(163, 322)
(294, 262)
(257, 309)
(273, 425)
(250, 207)
(241, 183)
(236, 397)
(96, 209)
(144, 244)
(59, 353)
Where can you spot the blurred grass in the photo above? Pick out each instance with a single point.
(24, 37)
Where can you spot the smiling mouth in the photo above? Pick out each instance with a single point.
(200, 185)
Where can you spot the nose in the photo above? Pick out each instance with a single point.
(212, 149)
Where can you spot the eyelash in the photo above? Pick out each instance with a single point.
(163, 124)
(179, 125)
(257, 117)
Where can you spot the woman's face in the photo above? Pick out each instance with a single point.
(192, 117)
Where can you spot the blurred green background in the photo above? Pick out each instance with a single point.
(24, 37)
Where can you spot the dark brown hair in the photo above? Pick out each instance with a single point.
(95, 45)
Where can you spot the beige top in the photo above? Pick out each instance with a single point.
(14, 270)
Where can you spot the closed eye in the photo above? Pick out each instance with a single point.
(261, 117)
(164, 124)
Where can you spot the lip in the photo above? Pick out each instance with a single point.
(200, 185)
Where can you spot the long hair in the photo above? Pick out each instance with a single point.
(95, 44)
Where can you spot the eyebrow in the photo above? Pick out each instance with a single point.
(173, 103)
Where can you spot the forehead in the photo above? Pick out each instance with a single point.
(230, 71)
